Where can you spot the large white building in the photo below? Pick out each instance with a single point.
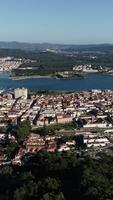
(20, 93)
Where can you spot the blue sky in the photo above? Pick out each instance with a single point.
(57, 21)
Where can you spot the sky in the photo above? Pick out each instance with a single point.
(57, 21)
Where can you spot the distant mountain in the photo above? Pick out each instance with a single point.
(31, 46)
(59, 47)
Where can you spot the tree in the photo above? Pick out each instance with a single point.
(19, 194)
(7, 170)
(23, 129)
(11, 149)
(51, 184)
(51, 196)
(26, 176)
(27, 191)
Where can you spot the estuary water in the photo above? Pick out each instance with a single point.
(91, 81)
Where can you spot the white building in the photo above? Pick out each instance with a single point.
(20, 93)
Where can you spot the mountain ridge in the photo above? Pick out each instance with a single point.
(44, 46)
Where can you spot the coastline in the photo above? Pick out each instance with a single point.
(28, 77)
(50, 76)
(38, 76)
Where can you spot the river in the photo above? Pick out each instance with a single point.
(91, 81)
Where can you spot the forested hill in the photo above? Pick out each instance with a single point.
(18, 53)
(64, 47)
(58, 61)
(59, 176)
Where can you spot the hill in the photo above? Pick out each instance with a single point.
(58, 47)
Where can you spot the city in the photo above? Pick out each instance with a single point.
(10, 63)
(88, 114)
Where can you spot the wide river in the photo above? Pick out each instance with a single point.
(91, 81)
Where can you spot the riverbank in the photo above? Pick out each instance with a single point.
(45, 77)
(28, 77)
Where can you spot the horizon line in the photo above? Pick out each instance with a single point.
(51, 43)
